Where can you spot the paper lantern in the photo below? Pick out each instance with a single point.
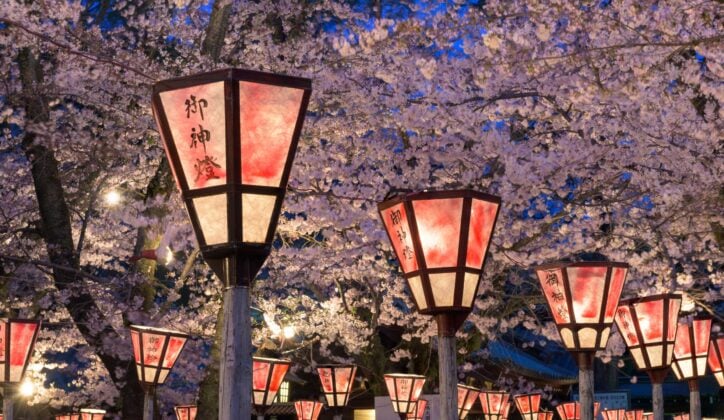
(17, 340)
(66, 416)
(495, 404)
(692, 348)
(307, 409)
(716, 358)
(337, 381)
(545, 415)
(92, 414)
(404, 390)
(528, 405)
(466, 399)
(156, 351)
(417, 410)
(681, 416)
(648, 416)
(648, 326)
(615, 414)
(572, 410)
(230, 137)
(186, 412)
(583, 297)
(634, 414)
(268, 377)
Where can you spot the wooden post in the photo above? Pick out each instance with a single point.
(657, 391)
(447, 355)
(585, 384)
(148, 404)
(236, 364)
(694, 400)
(8, 396)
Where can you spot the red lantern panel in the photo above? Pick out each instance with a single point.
(466, 398)
(337, 383)
(17, 340)
(69, 416)
(716, 358)
(616, 414)
(681, 416)
(528, 405)
(572, 410)
(92, 414)
(417, 410)
(404, 390)
(648, 326)
(441, 239)
(634, 414)
(186, 412)
(495, 404)
(155, 351)
(583, 298)
(545, 415)
(268, 376)
(692, 348)
(308, 410)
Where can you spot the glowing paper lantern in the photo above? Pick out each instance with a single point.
(156, 351)
(67, 416)
(337, 383)
(495, 404)
(308, 410)
(692, 348)
(92, 414)
(617, 414)
(417, 410)
(583, 297)
(716, 358)
(17, 340)
(648, 416)
(230, 138)
(186, 412)
(572, 410)
(466, 398)
(404, 390)
(634, 414)
(545, 415)
(268, 377)
(528, 405)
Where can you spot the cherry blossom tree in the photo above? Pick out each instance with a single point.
(597, 122)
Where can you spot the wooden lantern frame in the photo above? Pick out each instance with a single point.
(410, 383)
(528, 405)
(495, 404)
(690, 334)
(467, 395)
(160, 370)
(186, 412)
(278, 368)
(716, 358)
(335, 393)
(417, 410)
(308, 409)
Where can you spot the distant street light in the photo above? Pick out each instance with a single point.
(404, 390)
(441, 239)
(230, 138)
(582, 298)
(186, 412)
(267, 379)
(17, 340)
(308, 410)
(716, 358)
(467, 395)
(495, 404)
(690, 355)
(648, 327)
(337, 381)
(155, 351)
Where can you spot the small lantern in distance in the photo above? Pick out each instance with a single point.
(308, 409)
(67, 416)
(467, 395)
(92, 414)
(614, 414)
(691, 351)
(572, 410)
(417, 410)
(634, 414)
(337, 381)
(156, 351)
(716, 358)
(495, 404)
(268, 377)
(528, 405)
(186, 412)
(404, 390)
(681, 416)
(648, 416)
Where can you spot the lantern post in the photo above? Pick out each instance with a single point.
(155, 352)
(230, 137)
(648, 327)
(690, 357)
(17, 340)
(716, 358)
(337, 381)
(267, 379)
(441, 239)
(582, 298)
(405, 390)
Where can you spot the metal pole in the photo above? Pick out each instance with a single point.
(148, 405)
(657, 391)
(8, 395)
(585, 384)
(235, 372)
(448, 368)
(694, 400)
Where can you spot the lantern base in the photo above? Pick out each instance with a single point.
(657, 376)
(448, 323)
(236, 270)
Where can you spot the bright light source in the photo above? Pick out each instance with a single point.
(289, 332)
(113, 198)
(169, 256)
(27, 389)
